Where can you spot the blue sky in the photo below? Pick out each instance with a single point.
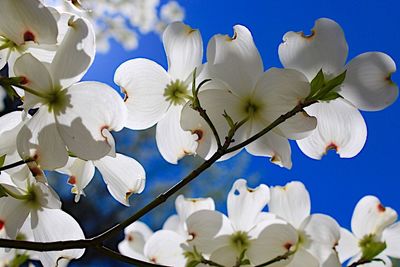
(335, 184)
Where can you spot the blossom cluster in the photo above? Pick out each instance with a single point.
(121, 20)
(211, 109)
(285, 235)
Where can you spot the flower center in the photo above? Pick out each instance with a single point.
(176, 92)
(239, 240)
(57, 101)
(252, 108)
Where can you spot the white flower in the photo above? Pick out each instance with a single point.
(245, 91)
(123, 175)
(40, 207)
(367, 87)
(371, 223)
(318, 233)
(154, 96)
(63, 119)
(246, 228)
(22, 24)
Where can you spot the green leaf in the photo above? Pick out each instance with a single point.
(2, 159)
(317, 83)
(229, 120)
(371, 248)
(2, 192)
(338, 80)
(330, 96)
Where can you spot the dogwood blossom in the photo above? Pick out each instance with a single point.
(367, 86)
(123, 175)
(63, 119)
(154, 96)
(246, 92)
(374, 232)
(39, 206)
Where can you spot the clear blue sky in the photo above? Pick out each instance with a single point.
(335, 184)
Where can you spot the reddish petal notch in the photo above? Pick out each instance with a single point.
(29, 36)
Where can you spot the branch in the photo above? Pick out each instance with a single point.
(364, 261)
(97, 242)
(15, 164)
(277, 259)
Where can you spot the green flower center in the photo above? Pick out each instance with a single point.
(176, 92)
(57, 101)
(252, 108)
(239, 240)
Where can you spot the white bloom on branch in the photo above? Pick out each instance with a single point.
(155, 96)
(243, 90)
(63, 119)
(373, 226)
(368, 87)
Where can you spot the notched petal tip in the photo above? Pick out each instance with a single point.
(308, 36)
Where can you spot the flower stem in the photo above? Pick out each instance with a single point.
(15, 164)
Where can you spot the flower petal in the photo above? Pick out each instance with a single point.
(56, 225)
(291, 202)
(184, 48)
(309, 55)
(274, 146)
(143, 82)
(136, 236)
(39, 139)
(347, 246)
(75, 54)
(303, 258)
(245, 204)
(13, 214)
(340, 127)
(235, 60)
(368, 83)
(27, 20)
(187, 206)
(10, 124)
(86, 131)
(275, 240)
(225, 256)
(80, 174)
(123, 175)
(279, 91)
(206, 225)
(36, 77)
(164, 247)
(391, 236)
(172, 141)
(371, 217)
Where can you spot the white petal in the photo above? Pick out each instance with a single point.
(27, 20)
(80, 173)
(206, 225)
(371, 217)
(347, 246)
(272, 145)
(332, 260)
(322, 233)
(10, 124)
(368, 85)
(303, 258)
(143, 82)
(123, 175)
(172, 141)
(3, 58)
(186, 206)
(279, 91)
(173, 223)
(340, 127)
(215, 102)
(326, 48)
(391, 236)
(75, 54)
(86, 131)
(36, 77)
(275, 240)
(225, 256)
(56, 225)
(39, 139)
(136, 236)
(235, 60)
(245, 204)
(164, 247)
(291, 202)
(13, 214)
(184, 48)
